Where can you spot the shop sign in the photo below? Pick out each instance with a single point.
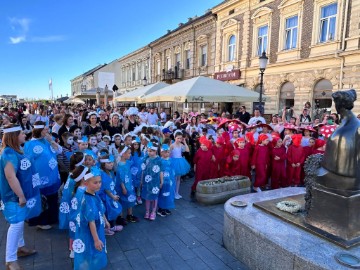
(228, 75)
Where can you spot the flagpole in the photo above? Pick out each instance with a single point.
(51, 89)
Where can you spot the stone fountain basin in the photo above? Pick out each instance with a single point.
(219, 190)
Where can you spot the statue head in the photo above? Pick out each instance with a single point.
(344, 99)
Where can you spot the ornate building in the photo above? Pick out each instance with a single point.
(185, 52)
(134, 70)
(312, 45)
(313, 48)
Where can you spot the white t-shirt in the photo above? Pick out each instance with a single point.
(142, 116)
(152, 119)
(254, 119)
(163, 117)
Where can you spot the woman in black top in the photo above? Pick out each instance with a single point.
(67, 123)
(115, 124)
(94, 127)
(130, 123)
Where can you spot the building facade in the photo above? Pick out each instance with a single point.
(185, 52)
(312, 47)
(134, 70)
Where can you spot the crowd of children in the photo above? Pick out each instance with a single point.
(106, 173)
(109, 176)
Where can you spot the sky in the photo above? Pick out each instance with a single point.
(59, 40)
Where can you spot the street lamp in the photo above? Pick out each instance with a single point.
(263, 59)
(144, 81)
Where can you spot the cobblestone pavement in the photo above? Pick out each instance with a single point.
(190, 238)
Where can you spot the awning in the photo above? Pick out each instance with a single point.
(139, 93)
(202, 89)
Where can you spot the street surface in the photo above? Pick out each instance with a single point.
(191, 238)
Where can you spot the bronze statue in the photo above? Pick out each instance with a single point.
(335, 193)
(340, 172)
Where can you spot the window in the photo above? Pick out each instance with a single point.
(158, 67)
(203, 60)
(187, 59)
(262, 39)
(291, 29)
(232, 11)
(231, 56)
(328, 22)
(168, 63)
(177, 60)
(133, 73)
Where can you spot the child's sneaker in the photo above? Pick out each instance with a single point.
(147, 215)
(132, 219)
(167, 212)
(72, 254)
(138, 200)
(152, 216)
(160, 212)
(109, 232)
(121, 221)
(117, 228)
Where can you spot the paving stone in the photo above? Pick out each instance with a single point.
(197, 264)
(136, 259)
(209, 258)
(190, 238)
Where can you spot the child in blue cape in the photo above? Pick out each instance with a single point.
(124, 183)
(167, 192)
(137, 158)
(108, 194)
(151, 181)
(89, 244)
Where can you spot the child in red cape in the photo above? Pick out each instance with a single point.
(278, 158)
(217, 164)
(202, 160)
(308, 151)
(319, 146)
(233, 164)
(260, 161)
(245, 151)
(295, 160)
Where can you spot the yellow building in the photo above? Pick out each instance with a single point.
(312, 45)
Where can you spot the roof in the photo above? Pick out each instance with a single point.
(193, 20)
(89, 72)
(220, 4)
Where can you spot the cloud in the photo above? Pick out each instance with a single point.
(54, 38)
(21, 26)
(17, 40)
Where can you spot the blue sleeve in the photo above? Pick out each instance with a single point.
(105, 185)
(9, 155)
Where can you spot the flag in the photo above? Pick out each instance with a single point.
(50, 84)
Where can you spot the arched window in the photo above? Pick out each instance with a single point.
(231, 56)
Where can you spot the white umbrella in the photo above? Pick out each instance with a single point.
(202, 89)
(74, 101)
(136, 94)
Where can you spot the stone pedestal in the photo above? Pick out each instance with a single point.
(262, 241)
(221, 192)
(335, 214)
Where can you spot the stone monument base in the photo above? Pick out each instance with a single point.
(335, 214)
(262, 241)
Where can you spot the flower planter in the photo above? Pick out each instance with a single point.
(219, 190)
